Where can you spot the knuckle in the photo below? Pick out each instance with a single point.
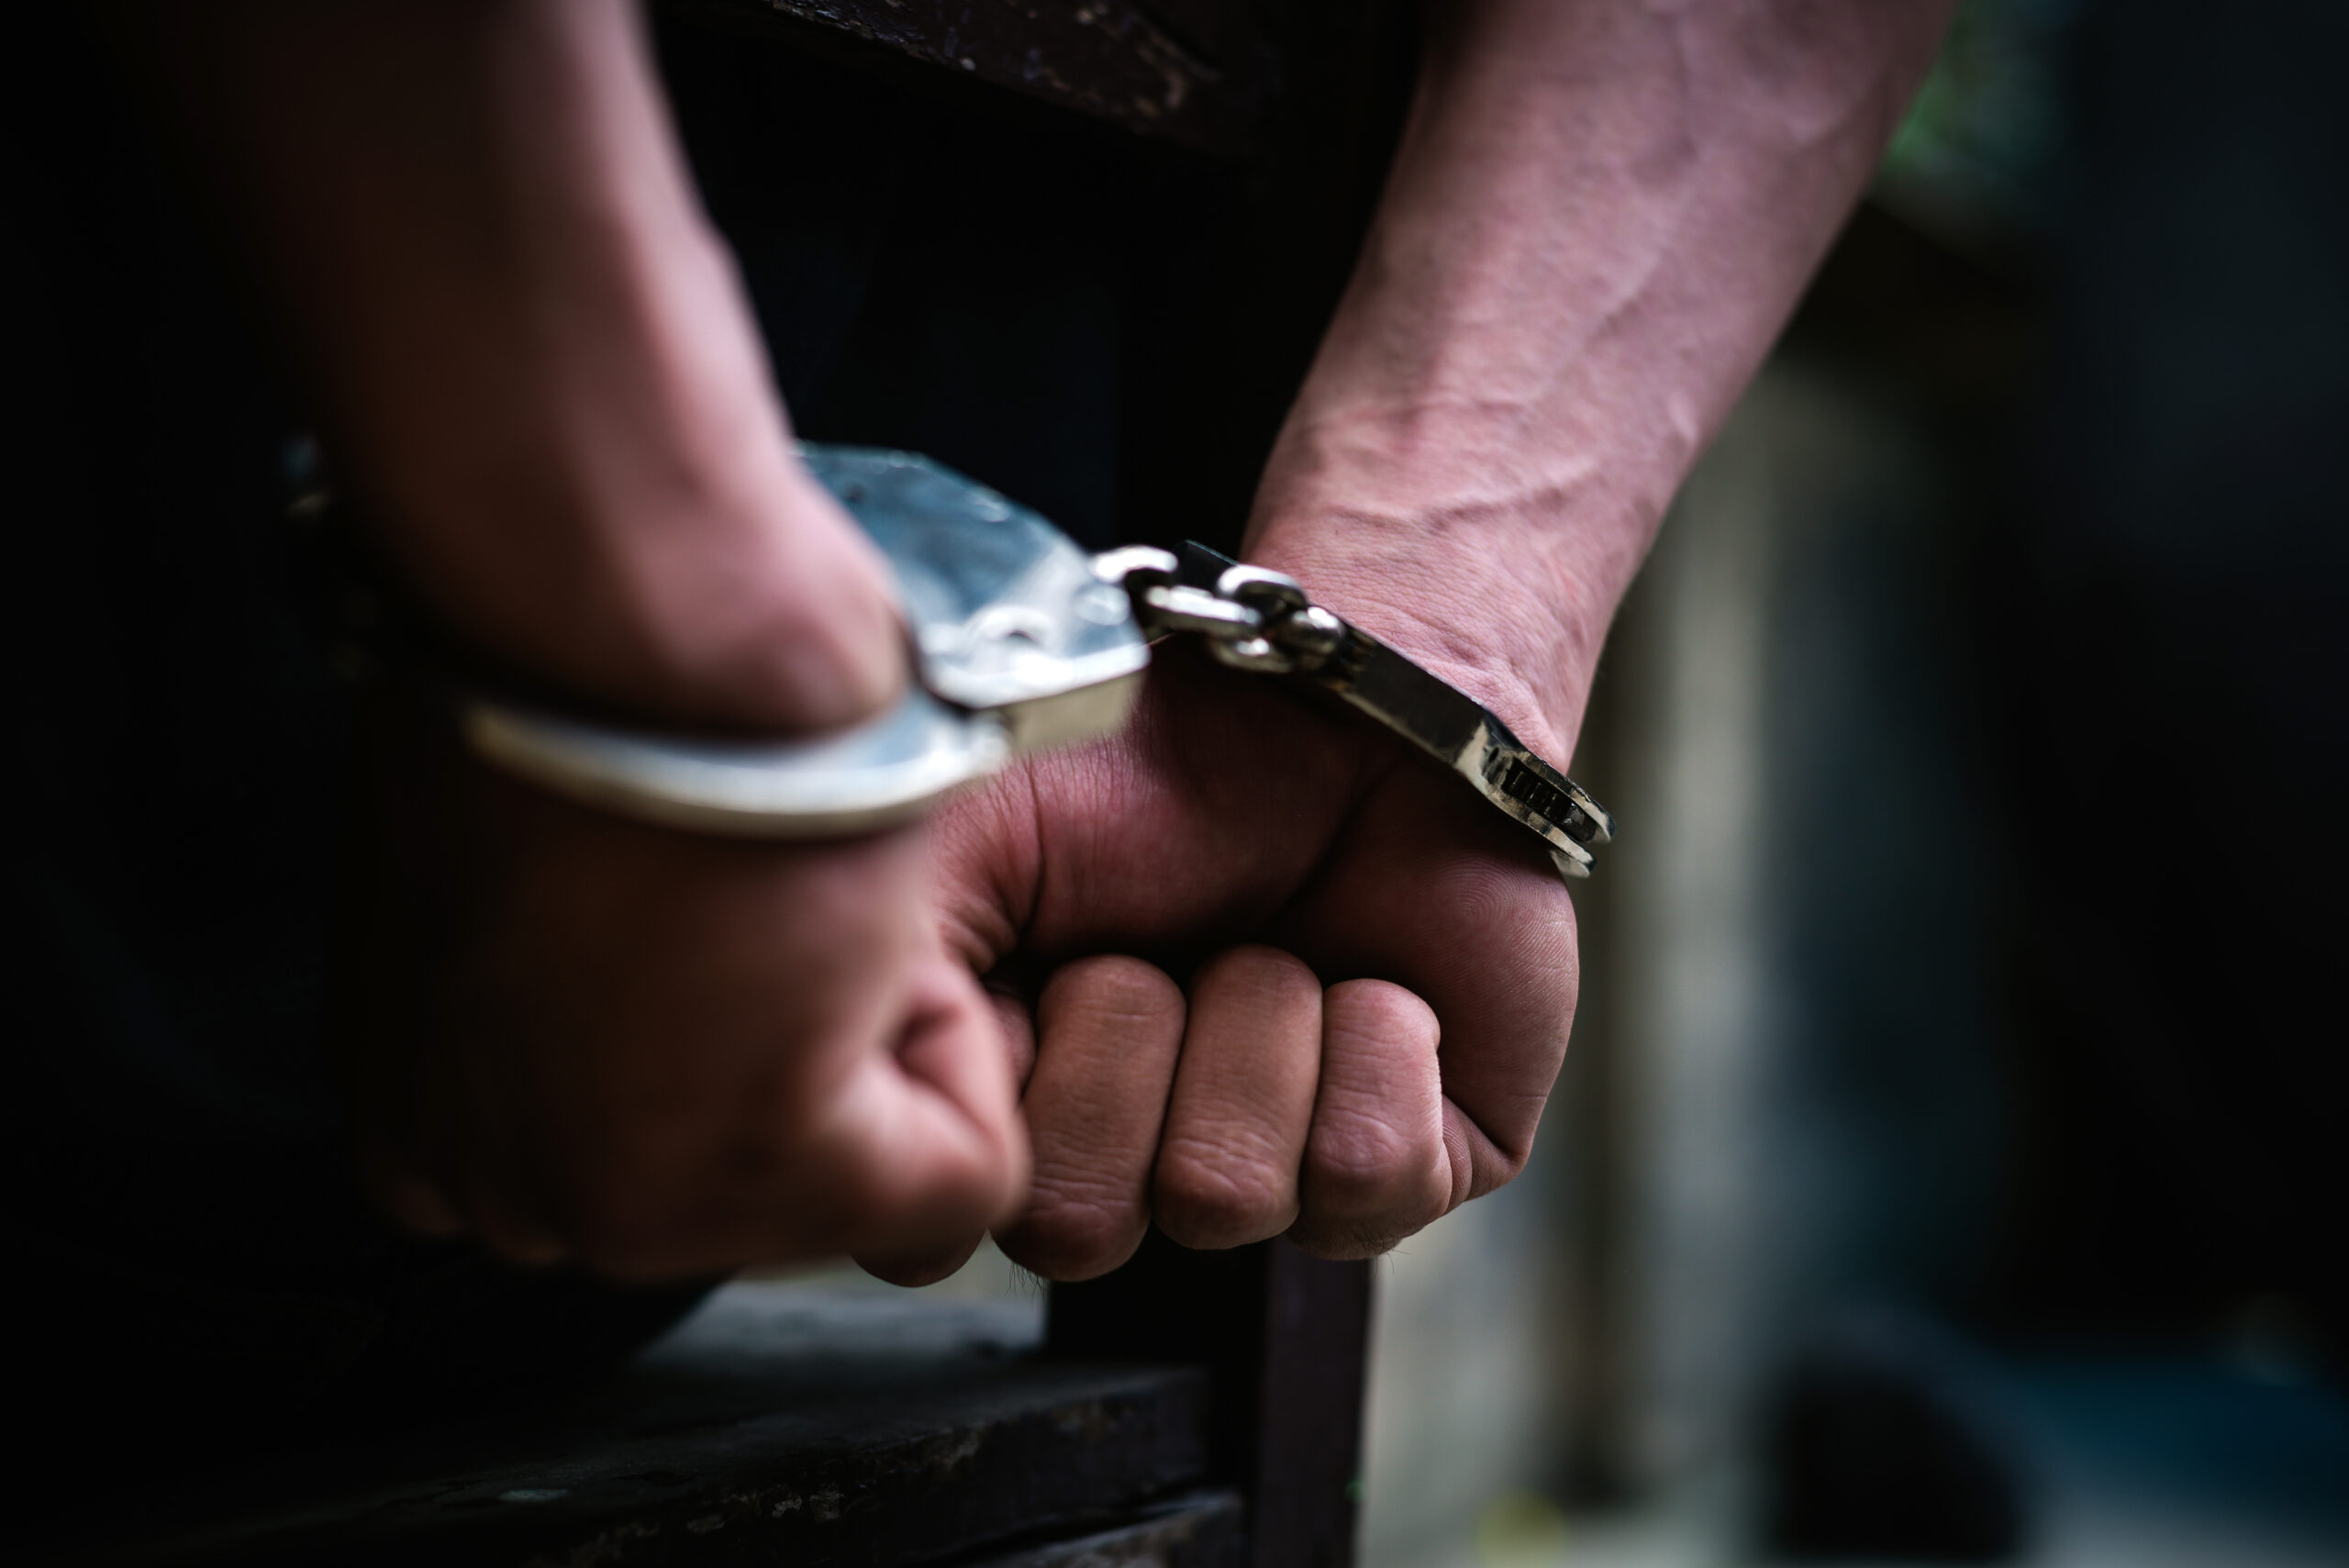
(1365, 1169)
(1368, 1012)
(1113, 994)
(1268, 973)
(1202, 1200)
(1068, 1235)
(959, 1191)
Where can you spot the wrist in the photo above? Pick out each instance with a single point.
(1498, 584)
(750, 602)
(1524, 649)
(712, 586)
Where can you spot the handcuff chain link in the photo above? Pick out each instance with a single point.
(1252, 619)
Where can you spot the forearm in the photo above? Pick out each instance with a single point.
(1599, 215)
(525, 347)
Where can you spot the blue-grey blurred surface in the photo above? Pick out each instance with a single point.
(1968, 960)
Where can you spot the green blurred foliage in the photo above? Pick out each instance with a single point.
(1985, 142)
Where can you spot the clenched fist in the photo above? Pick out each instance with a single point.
(1279, 977)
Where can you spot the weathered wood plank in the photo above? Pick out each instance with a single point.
(1146, 68)
(777, 1426)
(1206, 1530)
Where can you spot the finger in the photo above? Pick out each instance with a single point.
(482, 1196)
(954, 1059)
(487, 1170)
(921, 1265)
(413, 1202)
(1379, 1163)
(1109, 1029)
(943, 1156)
(508, 1231)
(1242, 1103)
(913, 1150)
(1017, 1022)
(927, 1263)
(1452, 907)
(482, 1158)
(421, 1205)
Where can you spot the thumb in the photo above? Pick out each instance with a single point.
(942, 1154)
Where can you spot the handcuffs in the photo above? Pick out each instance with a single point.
(1021, 641)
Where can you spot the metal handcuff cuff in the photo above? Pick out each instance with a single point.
(1021, 641)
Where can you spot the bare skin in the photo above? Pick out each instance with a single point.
(667, 1056)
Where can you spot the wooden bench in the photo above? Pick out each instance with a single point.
(1193, 1410)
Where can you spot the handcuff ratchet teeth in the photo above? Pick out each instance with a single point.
(1020, 641)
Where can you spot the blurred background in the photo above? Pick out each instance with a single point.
(1950, 1162)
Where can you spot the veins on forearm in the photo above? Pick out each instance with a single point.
(1599, 218)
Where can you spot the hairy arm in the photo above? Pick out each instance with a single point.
(1599, 216)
